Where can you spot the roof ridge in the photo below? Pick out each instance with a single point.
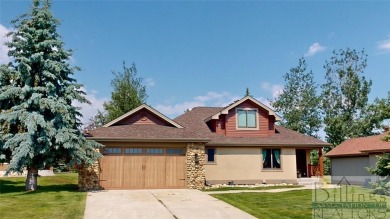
(208, 107)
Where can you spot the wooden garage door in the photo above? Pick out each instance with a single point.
(138, 168)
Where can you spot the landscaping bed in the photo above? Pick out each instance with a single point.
(224, 187)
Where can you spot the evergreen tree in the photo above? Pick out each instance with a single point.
(345, 97)
(247, 92)
(129, 93)
(38, 124)
(299, 102)
(382, 168)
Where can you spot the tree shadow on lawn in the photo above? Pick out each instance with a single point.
(8, 186)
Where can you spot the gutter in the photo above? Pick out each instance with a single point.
(347, 155)
(262, 145)
(188, 140)
(376, 151)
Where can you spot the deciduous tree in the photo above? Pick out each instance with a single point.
(298, 103)
(345, 92)
(129, 92)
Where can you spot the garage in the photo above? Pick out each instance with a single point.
(142, 168)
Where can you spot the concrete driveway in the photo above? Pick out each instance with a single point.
(167, 203)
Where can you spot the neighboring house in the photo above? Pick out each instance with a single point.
(351, 158)
(4, 166)
(237, 144)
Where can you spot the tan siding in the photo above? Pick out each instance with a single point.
(143, 117)
(263, 124)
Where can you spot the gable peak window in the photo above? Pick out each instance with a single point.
(246, 118)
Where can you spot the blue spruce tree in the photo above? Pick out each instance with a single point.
(38, 124)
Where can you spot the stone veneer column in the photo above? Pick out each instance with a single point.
(195, 172)
(89, 177)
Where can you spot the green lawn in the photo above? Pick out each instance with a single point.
(56, 197)
(292, 204)
(251, 188)
(298, 203)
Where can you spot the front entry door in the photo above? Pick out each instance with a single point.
(301, 162)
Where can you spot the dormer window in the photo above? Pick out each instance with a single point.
(247, 118)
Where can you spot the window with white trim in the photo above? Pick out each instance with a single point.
(271, 158)
(246, 118)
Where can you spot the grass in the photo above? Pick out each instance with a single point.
(251, 188)
(56, 197)
(292, 204)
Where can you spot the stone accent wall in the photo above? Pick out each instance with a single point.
(89, 177)
(195, 172)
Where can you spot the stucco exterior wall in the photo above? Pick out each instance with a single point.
(244, 165)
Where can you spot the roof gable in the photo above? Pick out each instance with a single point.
(235, 104)
(154, 112)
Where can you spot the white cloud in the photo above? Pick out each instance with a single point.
(274, 89)
(3, 48)
(87, 110)
(212, 95)
(314, 49)
(384, 45)
(149, 82)
(179, 108)
(221, 99)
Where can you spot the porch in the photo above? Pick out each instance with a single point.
(306, 165)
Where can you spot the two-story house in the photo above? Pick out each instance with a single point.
(237, 144)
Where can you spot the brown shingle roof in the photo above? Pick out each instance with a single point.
(360, 146)
(196, 128)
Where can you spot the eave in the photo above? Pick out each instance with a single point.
(347, 155)
(102, 139)
(267, 145)
(144, 106)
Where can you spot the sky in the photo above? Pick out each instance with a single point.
(206, 53)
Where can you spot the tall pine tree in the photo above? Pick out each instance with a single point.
(345, 97)
(299, 102)
(38, 124)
